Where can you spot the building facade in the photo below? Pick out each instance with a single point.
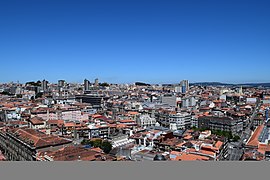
(221, 123)
(22, 144)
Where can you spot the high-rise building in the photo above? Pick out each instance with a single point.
(44, 85)
(184, 84)
(96, 82)
(61, 83)
(86, 85)
(178, 89)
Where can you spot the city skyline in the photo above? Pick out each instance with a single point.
(93, 82)
(124, 42)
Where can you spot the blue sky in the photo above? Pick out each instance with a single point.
(123, 41)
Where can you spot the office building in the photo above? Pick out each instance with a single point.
(96, 82)
(61, 83)
(221, 123)
(86, 85)
(184, 85)
(44, 85)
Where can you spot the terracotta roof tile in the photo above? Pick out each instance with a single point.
(253, 141)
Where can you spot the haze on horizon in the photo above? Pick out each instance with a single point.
(128, 41)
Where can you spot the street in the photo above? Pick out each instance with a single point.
(236, 150)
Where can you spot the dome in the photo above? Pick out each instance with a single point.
(159, 157)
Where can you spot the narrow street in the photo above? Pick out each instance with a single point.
(236, 150)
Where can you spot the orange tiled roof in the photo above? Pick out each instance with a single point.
(127, 121)
(39, 139)
(263, 147)
(175, 153)
(121, 126)
(253, 141)
(37, 121)
(188, 137)
(133, 113)
(96, 115)
(218, 144)
(191, 157)
(58, 122)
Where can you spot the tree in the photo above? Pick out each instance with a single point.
(104, 84)
(236, 138)
(85, 142)
(106, 146)
(39, 95)
(5, 93)
(96, 143)
(32, 83)
(18, 96)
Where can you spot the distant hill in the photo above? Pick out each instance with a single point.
(210, 84)
(227, 84)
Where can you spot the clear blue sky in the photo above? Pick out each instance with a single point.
(123, 41)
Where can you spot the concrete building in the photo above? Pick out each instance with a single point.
(188, 102)
(221, 123)
(96, 82)
(95, 100)
(146, 120)
(169, 99)
(86, 85)
(184, 84)
(178, 89)
(182, 120)
(44, 85)
(251, 100)
(61, 83)
(24, 144)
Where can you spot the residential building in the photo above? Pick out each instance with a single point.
(145, 120)
(221, 123)
(23, 144)
(86, 85)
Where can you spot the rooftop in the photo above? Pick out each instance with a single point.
(38, 139)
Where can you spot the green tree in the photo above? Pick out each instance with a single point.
(5, 93)
(85, 142)
(39, 95)
(106, 146)
(104, 84)
(96, 143)
(236, 138)
(19, 96)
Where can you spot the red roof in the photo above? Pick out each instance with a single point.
(191, 157)
(38, 138)
(127, 121)
(36, 121)
(254, 141)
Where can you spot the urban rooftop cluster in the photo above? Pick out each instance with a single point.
(42, 121)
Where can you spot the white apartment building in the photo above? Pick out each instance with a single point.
(145, 120)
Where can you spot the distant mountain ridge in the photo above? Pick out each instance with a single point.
(212, 84)
(229, 84)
